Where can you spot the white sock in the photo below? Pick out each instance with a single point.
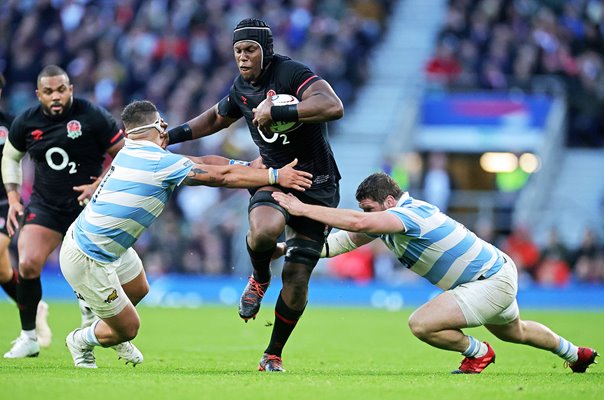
(88, 335)
(475, 348)
(567, 350)
(30, 334)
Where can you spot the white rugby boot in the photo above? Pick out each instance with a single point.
(82, 353)
(42, 328)
(23, 346)
(127, 351)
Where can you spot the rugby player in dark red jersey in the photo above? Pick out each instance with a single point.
(67, 140)
(263, 73)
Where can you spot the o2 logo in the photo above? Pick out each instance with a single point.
(64, 160)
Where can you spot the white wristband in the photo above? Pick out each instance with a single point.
(337, 243)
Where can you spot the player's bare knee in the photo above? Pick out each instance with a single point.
(261, 238)
(418, 327)
(30, 268)
(130, 331)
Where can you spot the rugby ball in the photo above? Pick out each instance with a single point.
(283, 100)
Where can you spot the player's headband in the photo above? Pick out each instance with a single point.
(261, 35)
(140, 129)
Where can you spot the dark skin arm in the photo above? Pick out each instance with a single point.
(319, 104)
(209, 122)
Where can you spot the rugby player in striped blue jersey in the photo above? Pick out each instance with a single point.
(97, 257)
(480, 282)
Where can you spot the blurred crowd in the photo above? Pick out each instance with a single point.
(529, 46)
(178, 54)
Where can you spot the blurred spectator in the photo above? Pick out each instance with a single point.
(444, 67)
(356, 265)
(437, 183)
(520, 246)
(554, 268)
(589, 259)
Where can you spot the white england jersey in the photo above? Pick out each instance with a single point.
(131, 196)
(439, 248)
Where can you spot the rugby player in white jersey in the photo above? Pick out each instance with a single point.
(97, 257)
(480, 282)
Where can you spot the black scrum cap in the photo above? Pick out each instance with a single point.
(258, 31)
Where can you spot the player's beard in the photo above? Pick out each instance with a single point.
(58, 114)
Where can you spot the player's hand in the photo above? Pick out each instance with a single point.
(86, 192)
(290, 202)
(293, 179)
(279, 251)
(262, 115)
(14, 218)
(258, 163)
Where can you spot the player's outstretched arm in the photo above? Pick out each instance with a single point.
(349, 220)
(239, 176)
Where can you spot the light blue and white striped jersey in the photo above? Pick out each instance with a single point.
(131, 196)
(439, 248)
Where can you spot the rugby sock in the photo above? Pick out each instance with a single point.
(476, 348)
(29, 294)
(567, 350)
(10, 287)
(88, 335)
(30, 334)
(285, 322)
(261, 261)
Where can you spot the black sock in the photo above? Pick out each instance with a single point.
(261, 261)
(10, 287)
(285, 322)
(29, 294)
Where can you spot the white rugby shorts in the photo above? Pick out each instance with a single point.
(99, 284)
(491, 300)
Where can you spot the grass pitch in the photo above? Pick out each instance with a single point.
(209, 353)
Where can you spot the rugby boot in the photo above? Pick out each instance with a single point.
(475, 365)
(81, 353)
(42, 329)
(23, 347)
(128, 352)
(271, 363)
(249, 304)
(587, 357)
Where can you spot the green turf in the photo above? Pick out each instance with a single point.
(209, 353)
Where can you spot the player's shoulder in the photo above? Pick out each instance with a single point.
(29, 115)
(282, 63)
